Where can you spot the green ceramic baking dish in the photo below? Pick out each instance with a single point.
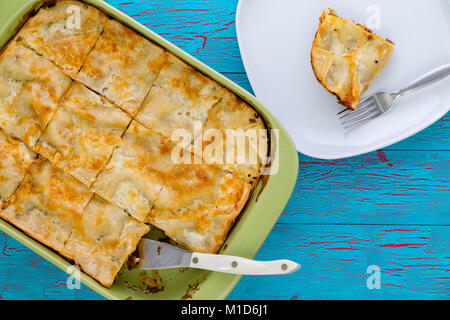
(250, 230)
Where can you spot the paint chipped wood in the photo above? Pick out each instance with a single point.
(388, 208)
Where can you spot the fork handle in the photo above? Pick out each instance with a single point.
(428, 79)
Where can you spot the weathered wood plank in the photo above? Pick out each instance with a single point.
(414, 263)
(361, 190)
(436, 137)
(205, 29)
(384, 187)
(26, 275)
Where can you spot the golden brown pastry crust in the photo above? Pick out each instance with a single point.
(131, 165)
(15, 158)
(47, 204)
(198, 205)
(53, 33)
(347, 57)
(81, 137)
(103, 239)
(31, 89)
(122, 66)
(195, 204)
(134, 176)
(247, 158)
(181, 95)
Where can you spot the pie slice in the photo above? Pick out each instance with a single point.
(137, 171)
(103, 239)
(83, 134)
(15, 158)
(181, 95)
(64, 33)
(47, 204)
(346, 57)
(198, 205)
(235, 138)
(122, 66)
(31, 88)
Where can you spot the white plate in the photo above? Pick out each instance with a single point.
(275, 38)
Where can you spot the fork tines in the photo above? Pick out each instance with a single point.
(367, 110)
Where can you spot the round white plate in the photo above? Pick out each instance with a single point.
(275, 38)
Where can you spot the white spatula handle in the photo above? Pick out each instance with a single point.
(237, 265)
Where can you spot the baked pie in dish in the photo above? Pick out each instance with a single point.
(86, 155)
(346, 57)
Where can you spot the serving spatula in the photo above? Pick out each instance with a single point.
(159, 255)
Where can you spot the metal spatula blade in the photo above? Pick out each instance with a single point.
(159, 255)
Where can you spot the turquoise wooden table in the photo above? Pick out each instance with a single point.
(389, 208)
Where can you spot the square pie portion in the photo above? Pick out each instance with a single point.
(198, 205)
(83, 134)
(235, 138)
(122, 66)
(103, 239)
(64, 33)
(31, 88)
(15, 158)
(181, 95)
(47, 204)
(137, 171)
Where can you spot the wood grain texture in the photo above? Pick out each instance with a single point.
(414, 263)
(25, 275)
(383, 187)
(388, 208)
(200, 27)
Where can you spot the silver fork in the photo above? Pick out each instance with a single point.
(381, 103)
